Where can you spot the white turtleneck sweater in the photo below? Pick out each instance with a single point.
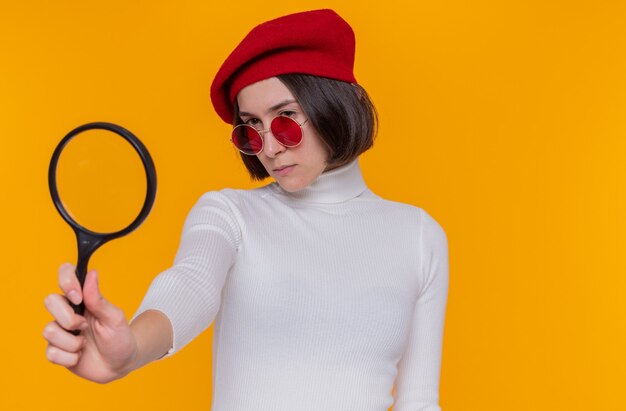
(323, 299)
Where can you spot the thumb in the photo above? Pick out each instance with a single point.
(95, 302)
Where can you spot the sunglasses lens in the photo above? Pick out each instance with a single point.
(247, 140)
(286, 131)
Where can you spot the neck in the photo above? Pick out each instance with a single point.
(336, 185)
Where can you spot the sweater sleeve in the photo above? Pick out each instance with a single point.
(417, 382)
(189, 293)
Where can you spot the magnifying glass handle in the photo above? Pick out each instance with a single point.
(87, 244)
(81, 272)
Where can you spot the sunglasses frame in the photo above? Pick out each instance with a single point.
(261, 132)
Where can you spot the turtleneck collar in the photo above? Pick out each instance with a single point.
(334, 186)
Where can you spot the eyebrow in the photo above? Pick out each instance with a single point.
(271, 109)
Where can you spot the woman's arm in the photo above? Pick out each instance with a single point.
(417, 383)
(153, 333)
(189, 292)
(181, 302)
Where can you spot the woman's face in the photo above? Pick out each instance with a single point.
(294, 168)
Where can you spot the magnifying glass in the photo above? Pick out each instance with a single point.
(102, 179)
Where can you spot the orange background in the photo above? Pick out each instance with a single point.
(504, 120)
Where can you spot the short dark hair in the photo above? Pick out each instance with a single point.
(342, 113)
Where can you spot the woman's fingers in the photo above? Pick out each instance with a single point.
(68, 282)
(63, 340)
(60, 357)
(64, 315)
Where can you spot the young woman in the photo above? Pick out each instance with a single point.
(324, 295)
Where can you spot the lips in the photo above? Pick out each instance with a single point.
(284, 170)
(282, 167)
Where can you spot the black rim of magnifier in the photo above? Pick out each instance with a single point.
(148, 165)
(89, 241)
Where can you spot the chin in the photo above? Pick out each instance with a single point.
(291, 186)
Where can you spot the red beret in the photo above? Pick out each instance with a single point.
(317, 42)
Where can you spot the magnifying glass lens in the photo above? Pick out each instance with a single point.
(101, 181)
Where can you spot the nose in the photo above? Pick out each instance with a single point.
(271, 146)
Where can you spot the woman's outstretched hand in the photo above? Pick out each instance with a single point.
(106, 348)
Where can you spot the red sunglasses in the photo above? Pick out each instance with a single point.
(249, 140)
